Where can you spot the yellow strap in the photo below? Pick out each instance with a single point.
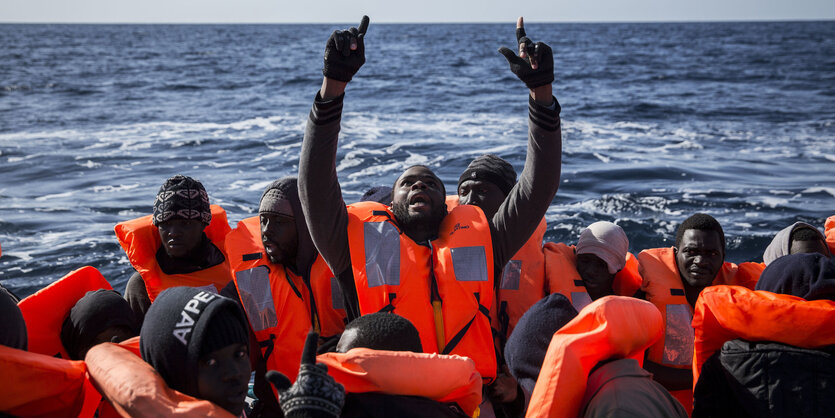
(439, 325)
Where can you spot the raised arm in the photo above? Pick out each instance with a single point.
(321, 197)
(528, 201)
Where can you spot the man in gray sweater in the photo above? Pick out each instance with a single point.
(419, 216)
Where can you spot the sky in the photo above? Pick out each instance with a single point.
(419, 11)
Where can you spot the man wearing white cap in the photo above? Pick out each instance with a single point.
(599, 265)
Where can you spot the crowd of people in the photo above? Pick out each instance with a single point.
(417, 302)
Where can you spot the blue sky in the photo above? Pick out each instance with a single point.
(312, 11)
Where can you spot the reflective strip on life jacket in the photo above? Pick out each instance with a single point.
(273, 301)
(438, 377)
(46, 310)
(134, 388)
(140, 240)
(611, 327)
(522, 283)
(38, 385)
(453, 272)
(725, 313)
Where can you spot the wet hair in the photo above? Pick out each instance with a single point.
(385, 331)
(701, 222)
(805, 234)
(443, 188)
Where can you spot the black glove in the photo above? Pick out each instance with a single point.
(315, 394)
(540, 54)
(340, 62)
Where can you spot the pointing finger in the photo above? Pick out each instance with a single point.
(310, 346)
(520, 29)
(363, 25)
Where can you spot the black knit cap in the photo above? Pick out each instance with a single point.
(528, 343)
(182, 325)
(810, 276)
(182, 197)
(95, 312)
(493, 169)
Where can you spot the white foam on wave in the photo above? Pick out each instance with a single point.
(115, 189)
(829, 190)
(55, 196)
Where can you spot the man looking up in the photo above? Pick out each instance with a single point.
(411, 257)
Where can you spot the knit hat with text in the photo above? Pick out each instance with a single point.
(184, 324)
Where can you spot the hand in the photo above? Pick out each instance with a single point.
(535, 63)
(315, 393)
(505, 388)
(345, 52)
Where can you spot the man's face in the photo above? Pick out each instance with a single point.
(418, 199)
(813, 246)
(280, 238)
(180, 236)
(595, 275)
(223, 377)
(699, 257)
(483, 194)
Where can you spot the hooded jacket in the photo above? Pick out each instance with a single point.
(759, 353)
(782, 243)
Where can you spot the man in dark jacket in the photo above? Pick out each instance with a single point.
(771, 378)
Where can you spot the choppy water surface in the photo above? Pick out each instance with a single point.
(659, 121)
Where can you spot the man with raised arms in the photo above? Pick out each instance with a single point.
(412, 257)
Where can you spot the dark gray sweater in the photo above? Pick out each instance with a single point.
(514, 222)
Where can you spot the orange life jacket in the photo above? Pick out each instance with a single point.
(46, 310)
(663, 286)
(612, 327)
(725, 313)
(522, 285)
(442, 378)
(276, 301)
(444, 288)
(134, 388)
(38, 385)
(140, 240)
(562, 276)
(829, 228)
(522, 281)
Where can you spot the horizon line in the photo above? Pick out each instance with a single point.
(720, 20)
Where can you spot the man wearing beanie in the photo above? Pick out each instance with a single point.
(178, 245)
(198, 342)
(486, 183)
(100, 316)
(283, 285)
(450, 253)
